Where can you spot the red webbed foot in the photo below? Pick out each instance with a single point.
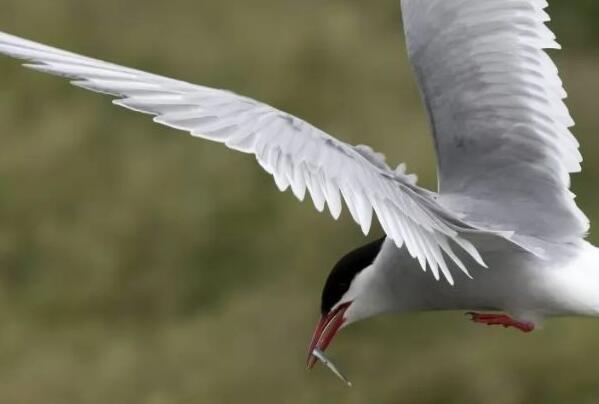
(501, 319)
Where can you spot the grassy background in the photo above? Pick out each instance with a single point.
(139, 265)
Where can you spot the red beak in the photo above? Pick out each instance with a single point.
(325, 331)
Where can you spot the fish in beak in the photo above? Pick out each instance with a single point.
(325, 331)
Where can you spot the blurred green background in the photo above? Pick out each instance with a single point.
(140, 265)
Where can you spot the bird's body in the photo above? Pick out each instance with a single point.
(502, 229)
(526, 287)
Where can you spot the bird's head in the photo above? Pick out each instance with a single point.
(351, 293)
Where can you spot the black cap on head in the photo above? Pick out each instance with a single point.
(345, 271)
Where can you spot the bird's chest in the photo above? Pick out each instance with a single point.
(515, 284)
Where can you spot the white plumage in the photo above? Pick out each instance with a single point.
(505, 154)
(495, 102)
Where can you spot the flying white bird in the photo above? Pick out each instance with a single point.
(502, 230)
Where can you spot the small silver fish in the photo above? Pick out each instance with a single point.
(327, 362)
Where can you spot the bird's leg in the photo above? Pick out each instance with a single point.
(500, 319)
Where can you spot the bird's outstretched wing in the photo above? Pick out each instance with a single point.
(298, 155)
(494, 99)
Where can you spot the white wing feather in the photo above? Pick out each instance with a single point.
(298, 155)
(494, 99)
